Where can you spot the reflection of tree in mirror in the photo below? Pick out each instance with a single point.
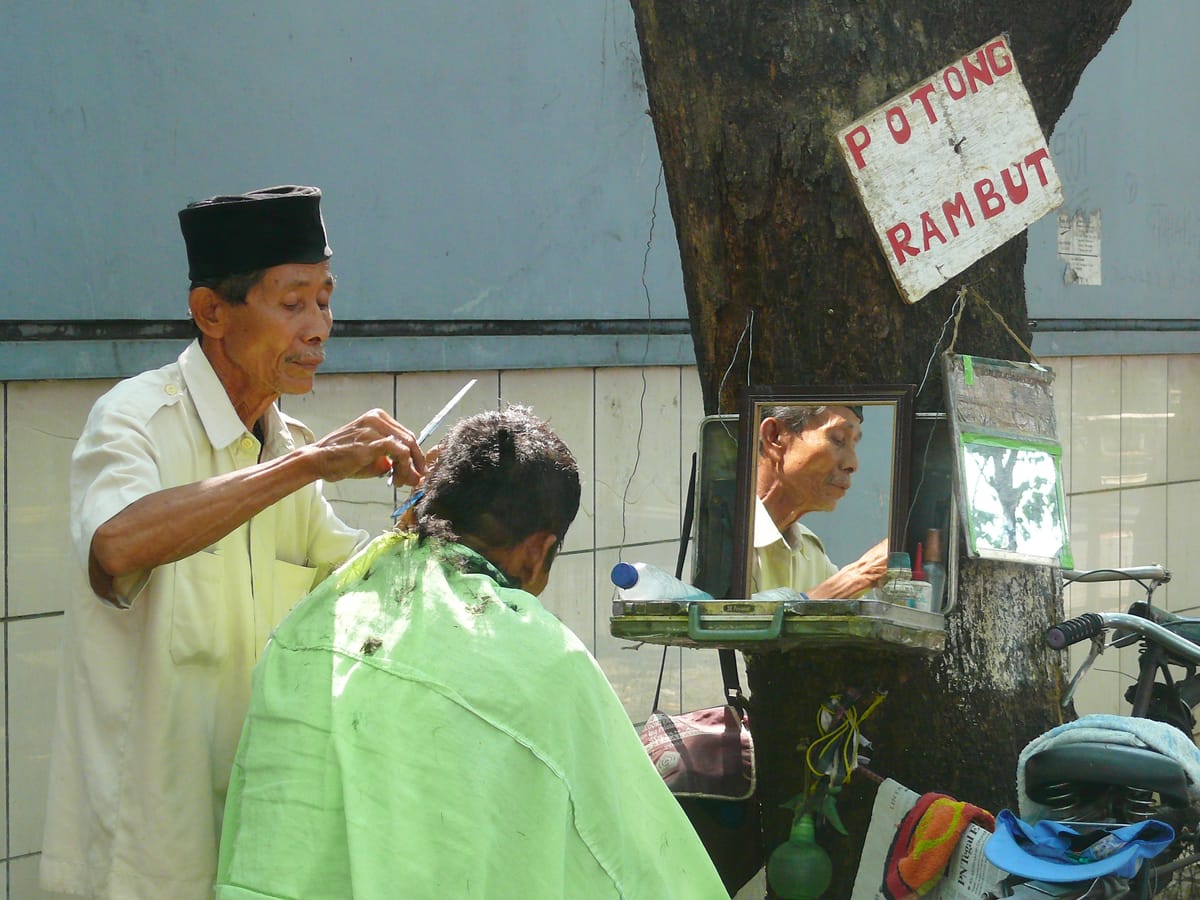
(1013, 499)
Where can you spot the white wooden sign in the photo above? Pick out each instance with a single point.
(952, 168)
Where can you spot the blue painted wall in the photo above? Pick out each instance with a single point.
(492, 160)
(480, 161)
(1127, 146)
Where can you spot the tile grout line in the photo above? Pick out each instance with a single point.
(595, 515)
(7, 681)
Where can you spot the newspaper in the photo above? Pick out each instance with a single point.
(969, 875)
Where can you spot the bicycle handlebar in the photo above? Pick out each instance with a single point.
(1089, 625)
(1156, 573)
(1072, 631)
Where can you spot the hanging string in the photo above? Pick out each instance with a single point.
(1000, 319)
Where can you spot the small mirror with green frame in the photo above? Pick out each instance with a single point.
(1009, 460)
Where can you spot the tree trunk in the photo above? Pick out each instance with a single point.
(746, 100)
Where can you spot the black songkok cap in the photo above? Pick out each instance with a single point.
(243, 233)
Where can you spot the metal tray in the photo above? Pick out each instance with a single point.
(755, 626)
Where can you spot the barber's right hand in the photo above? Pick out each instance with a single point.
(874, 562)
(373, 444)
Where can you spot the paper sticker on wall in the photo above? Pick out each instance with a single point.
(1079, 246)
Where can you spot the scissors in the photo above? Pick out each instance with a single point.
(429, 429)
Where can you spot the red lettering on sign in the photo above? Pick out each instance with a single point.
(1034, 161)
(990, 202)
(858, 140)
(921, 95)
(958, 89)
(977, 71)
(899, 237)
(929, 230)
(998, 57)
(1016, 192)
(957, 207)
(897, 123)
(956, 211)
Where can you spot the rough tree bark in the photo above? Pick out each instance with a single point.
(746, 100)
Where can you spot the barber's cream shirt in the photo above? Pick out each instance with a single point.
(153, 690)
(793, 559)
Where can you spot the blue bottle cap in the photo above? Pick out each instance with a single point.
(624, 575)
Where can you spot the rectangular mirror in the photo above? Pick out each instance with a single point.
(822, 480)
(1009, 460)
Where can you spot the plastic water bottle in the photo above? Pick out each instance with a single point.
(643, 581)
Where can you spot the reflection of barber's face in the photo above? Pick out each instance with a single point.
(818, 461)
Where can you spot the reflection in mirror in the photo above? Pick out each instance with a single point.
(1014, 504)
(822, 485)
(1009, 479)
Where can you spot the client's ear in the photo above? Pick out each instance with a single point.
(530, 561)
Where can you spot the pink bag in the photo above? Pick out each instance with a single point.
(705, 753)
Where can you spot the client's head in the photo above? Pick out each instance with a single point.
(505, 485)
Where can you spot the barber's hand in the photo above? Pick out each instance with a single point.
(872, 565)
(861, 575)
(408, 518)
(373, 444)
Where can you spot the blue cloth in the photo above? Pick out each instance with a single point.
(1066, 852)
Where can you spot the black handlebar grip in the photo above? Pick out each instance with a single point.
(1074, 630)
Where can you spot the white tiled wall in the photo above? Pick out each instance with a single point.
(632, 431)
(1129, 426)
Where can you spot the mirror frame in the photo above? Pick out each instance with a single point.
(750, 403)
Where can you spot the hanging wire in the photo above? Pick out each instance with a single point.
(967, 291)
(748, 331)
(960, 300)
(642, 398)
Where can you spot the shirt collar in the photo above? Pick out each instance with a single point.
(221, 422)
(765, 530)
(473, 563)
(767, 533)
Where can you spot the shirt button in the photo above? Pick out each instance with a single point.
(247, 442)
(171, 389)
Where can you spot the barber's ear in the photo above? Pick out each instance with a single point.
(207, 310)
(771, 435)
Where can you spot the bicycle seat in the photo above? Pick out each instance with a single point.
(1101, 763)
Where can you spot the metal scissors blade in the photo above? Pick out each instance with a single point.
(443, 412)
(429, 429)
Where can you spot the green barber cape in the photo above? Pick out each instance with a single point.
(419, 729)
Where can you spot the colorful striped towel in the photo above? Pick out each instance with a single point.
(925, 841)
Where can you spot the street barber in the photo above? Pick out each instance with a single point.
(196, 508)
(421, 726)
(806, 460)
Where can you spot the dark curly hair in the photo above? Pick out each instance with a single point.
(500, 477)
